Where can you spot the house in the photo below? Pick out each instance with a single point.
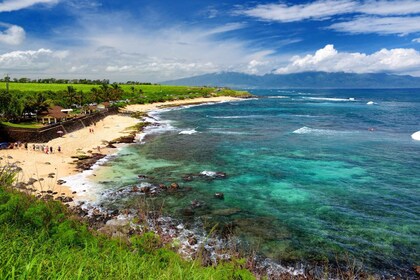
(54, 114)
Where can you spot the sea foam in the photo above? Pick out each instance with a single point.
(316, 131)
(416, 135)
(331, 99)
(188, 132)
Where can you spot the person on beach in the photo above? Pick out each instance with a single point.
(33, 147)
(51, 149)
(26, 145)
(59, 149)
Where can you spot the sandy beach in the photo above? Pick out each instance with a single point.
(47, 169)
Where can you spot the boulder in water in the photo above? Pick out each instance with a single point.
(174, 186)
(219, 195)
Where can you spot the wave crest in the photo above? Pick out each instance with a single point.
(416, 135)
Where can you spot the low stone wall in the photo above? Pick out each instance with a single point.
(45, 134)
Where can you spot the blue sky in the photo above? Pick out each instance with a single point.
(165, 39)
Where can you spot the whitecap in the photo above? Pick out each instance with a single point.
(316, 131)
(188, 132)
(351, 99)
(278, 97)
(370, 103)
(208, 173)
(416, 135)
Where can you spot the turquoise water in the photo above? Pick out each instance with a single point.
(311, 174)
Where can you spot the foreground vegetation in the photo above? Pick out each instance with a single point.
(42, 240)
(20, 101)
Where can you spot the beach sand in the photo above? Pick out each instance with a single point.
(48, 168)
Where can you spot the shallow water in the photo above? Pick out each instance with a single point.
(312, 174)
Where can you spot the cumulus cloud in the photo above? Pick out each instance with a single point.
(328, 59)
(416, 40)
(12, 35)
(14, 5)
(32, 59)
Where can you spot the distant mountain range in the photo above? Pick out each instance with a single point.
(301, 80)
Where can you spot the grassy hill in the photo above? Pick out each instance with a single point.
(43, 240)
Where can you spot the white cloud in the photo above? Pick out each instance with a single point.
(384, 7)
(328, 59)
(371, 16)
(14, 5)
(324, 9)
(12, 35)
(417, 40)
(385, 25)
(32, 59)
(318, 10)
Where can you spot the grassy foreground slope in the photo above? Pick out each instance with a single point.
(41, 240)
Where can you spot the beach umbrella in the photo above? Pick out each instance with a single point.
(60, 132)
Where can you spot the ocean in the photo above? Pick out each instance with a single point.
(310, 175)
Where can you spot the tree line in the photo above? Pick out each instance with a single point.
(68, 81)
(16, 105)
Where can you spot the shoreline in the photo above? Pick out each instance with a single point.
(40, 173)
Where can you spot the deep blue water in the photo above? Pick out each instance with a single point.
(312, 174)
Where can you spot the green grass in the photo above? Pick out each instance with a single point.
(22, 125)
(147, 89)
(41, 240)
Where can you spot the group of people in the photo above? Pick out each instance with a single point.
(44, 148)
(35, 147)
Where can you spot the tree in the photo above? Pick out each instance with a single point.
(96, 94)
(71, 95)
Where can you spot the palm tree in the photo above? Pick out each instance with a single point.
(71, 95)
(96, 94)
(105, 91)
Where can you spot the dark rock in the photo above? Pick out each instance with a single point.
(31, 181)
(187, 212)
(174, 186)
(417, 269)
(221, 175)
(74, 192)
(196, 204)
(226, 212)
(60, 182)
(21, 185)
(145, 189)
(67, 199)
(219, 195)
(47, 197)
(192, 240)
(50, 191)
(187, 178)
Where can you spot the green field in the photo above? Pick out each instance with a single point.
(147, 89)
